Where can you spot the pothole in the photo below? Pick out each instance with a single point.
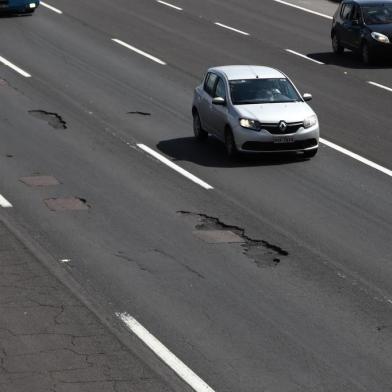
(53, 119)
(140, 113)
(38, 181)
(66, 204)
(213, 231)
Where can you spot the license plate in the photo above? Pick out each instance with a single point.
(283, 139)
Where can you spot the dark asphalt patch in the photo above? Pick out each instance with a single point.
(213, 231)
(53, 119)
(39, 181)
(140, 113)
(67, 204)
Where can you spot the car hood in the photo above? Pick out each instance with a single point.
(381, 28)
(275, 112)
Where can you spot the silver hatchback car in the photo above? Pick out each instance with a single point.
(254, 109)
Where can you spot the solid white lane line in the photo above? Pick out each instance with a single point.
(231, 28)
(175, 167)
(381, 86)
(357, 157)
(14, 67)
(303, 9)
(183, 371)
(169, 5)
(4, 202)
(303, 56)
(51, 8)
(139, 51)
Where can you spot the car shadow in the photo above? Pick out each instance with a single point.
(9, 15)
(211, 153)
(350, 60)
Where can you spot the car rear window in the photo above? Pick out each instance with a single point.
(251, 91)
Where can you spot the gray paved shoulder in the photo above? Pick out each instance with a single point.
(49, 341)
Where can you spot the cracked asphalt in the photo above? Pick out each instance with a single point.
(49, 341)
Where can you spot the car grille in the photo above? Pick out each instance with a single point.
(274, 128)
(270, 146)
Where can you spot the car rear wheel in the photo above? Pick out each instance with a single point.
(336, 45)
(199, 132)
(231, 148)
(310, 153)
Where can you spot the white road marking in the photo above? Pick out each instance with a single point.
(169, 5)
(304, 56)
(175, 167)
(357, 157)
(14, 67)
(381, 86)
(303, 9)
(231, 28)
(139, 51)
(183, 371)
(51, 8)
(4, 202)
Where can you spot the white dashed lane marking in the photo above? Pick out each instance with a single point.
(4, 202)
(231, 28)
(304, 9)
(381, 86)
(175, 167)
(20, 71)
(138, 51)
(183, 371)
(303, 56)
(56, 10)
(169, 5)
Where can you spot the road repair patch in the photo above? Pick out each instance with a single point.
(67, 204)
(37, 181)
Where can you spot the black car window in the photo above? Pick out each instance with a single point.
(209, 83)
(220, 90)
(356, 14)
(346, 11)
(377, 14)
(253, 91)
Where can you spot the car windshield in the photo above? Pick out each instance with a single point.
(252, 91)
(377, 14)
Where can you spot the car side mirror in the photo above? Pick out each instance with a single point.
(307, 97)
(218, 101)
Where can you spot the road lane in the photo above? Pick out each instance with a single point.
(316, 318)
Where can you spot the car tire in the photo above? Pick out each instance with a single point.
(199, 132)
(366, 54)
(310, 153)
(336, 45)
(231, 148)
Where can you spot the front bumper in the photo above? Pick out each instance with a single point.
(380, 49)
(250, 141)
(15, 7)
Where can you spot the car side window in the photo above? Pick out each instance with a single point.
(346, 11)
(220, 90)
(356, 14)
(209, 83)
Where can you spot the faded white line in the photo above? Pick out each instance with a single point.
(169, 5)
(175, 167)
(231, 28)
(381, 86)
(304, 56)
(149, 56)
(51, 8)
(303, 9)
(14, 67)
(357, 157)
(4, 202)
(183, 371)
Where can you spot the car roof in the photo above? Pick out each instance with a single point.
(368, 2)
(235, 72)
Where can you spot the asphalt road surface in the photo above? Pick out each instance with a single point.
(272, 274)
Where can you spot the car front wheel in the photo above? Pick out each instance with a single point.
(199, 132)
(336, 45)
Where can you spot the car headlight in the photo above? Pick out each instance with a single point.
(250, 124)
(380, 37)
(310, 121)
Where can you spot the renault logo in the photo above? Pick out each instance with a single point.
(282, 126)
